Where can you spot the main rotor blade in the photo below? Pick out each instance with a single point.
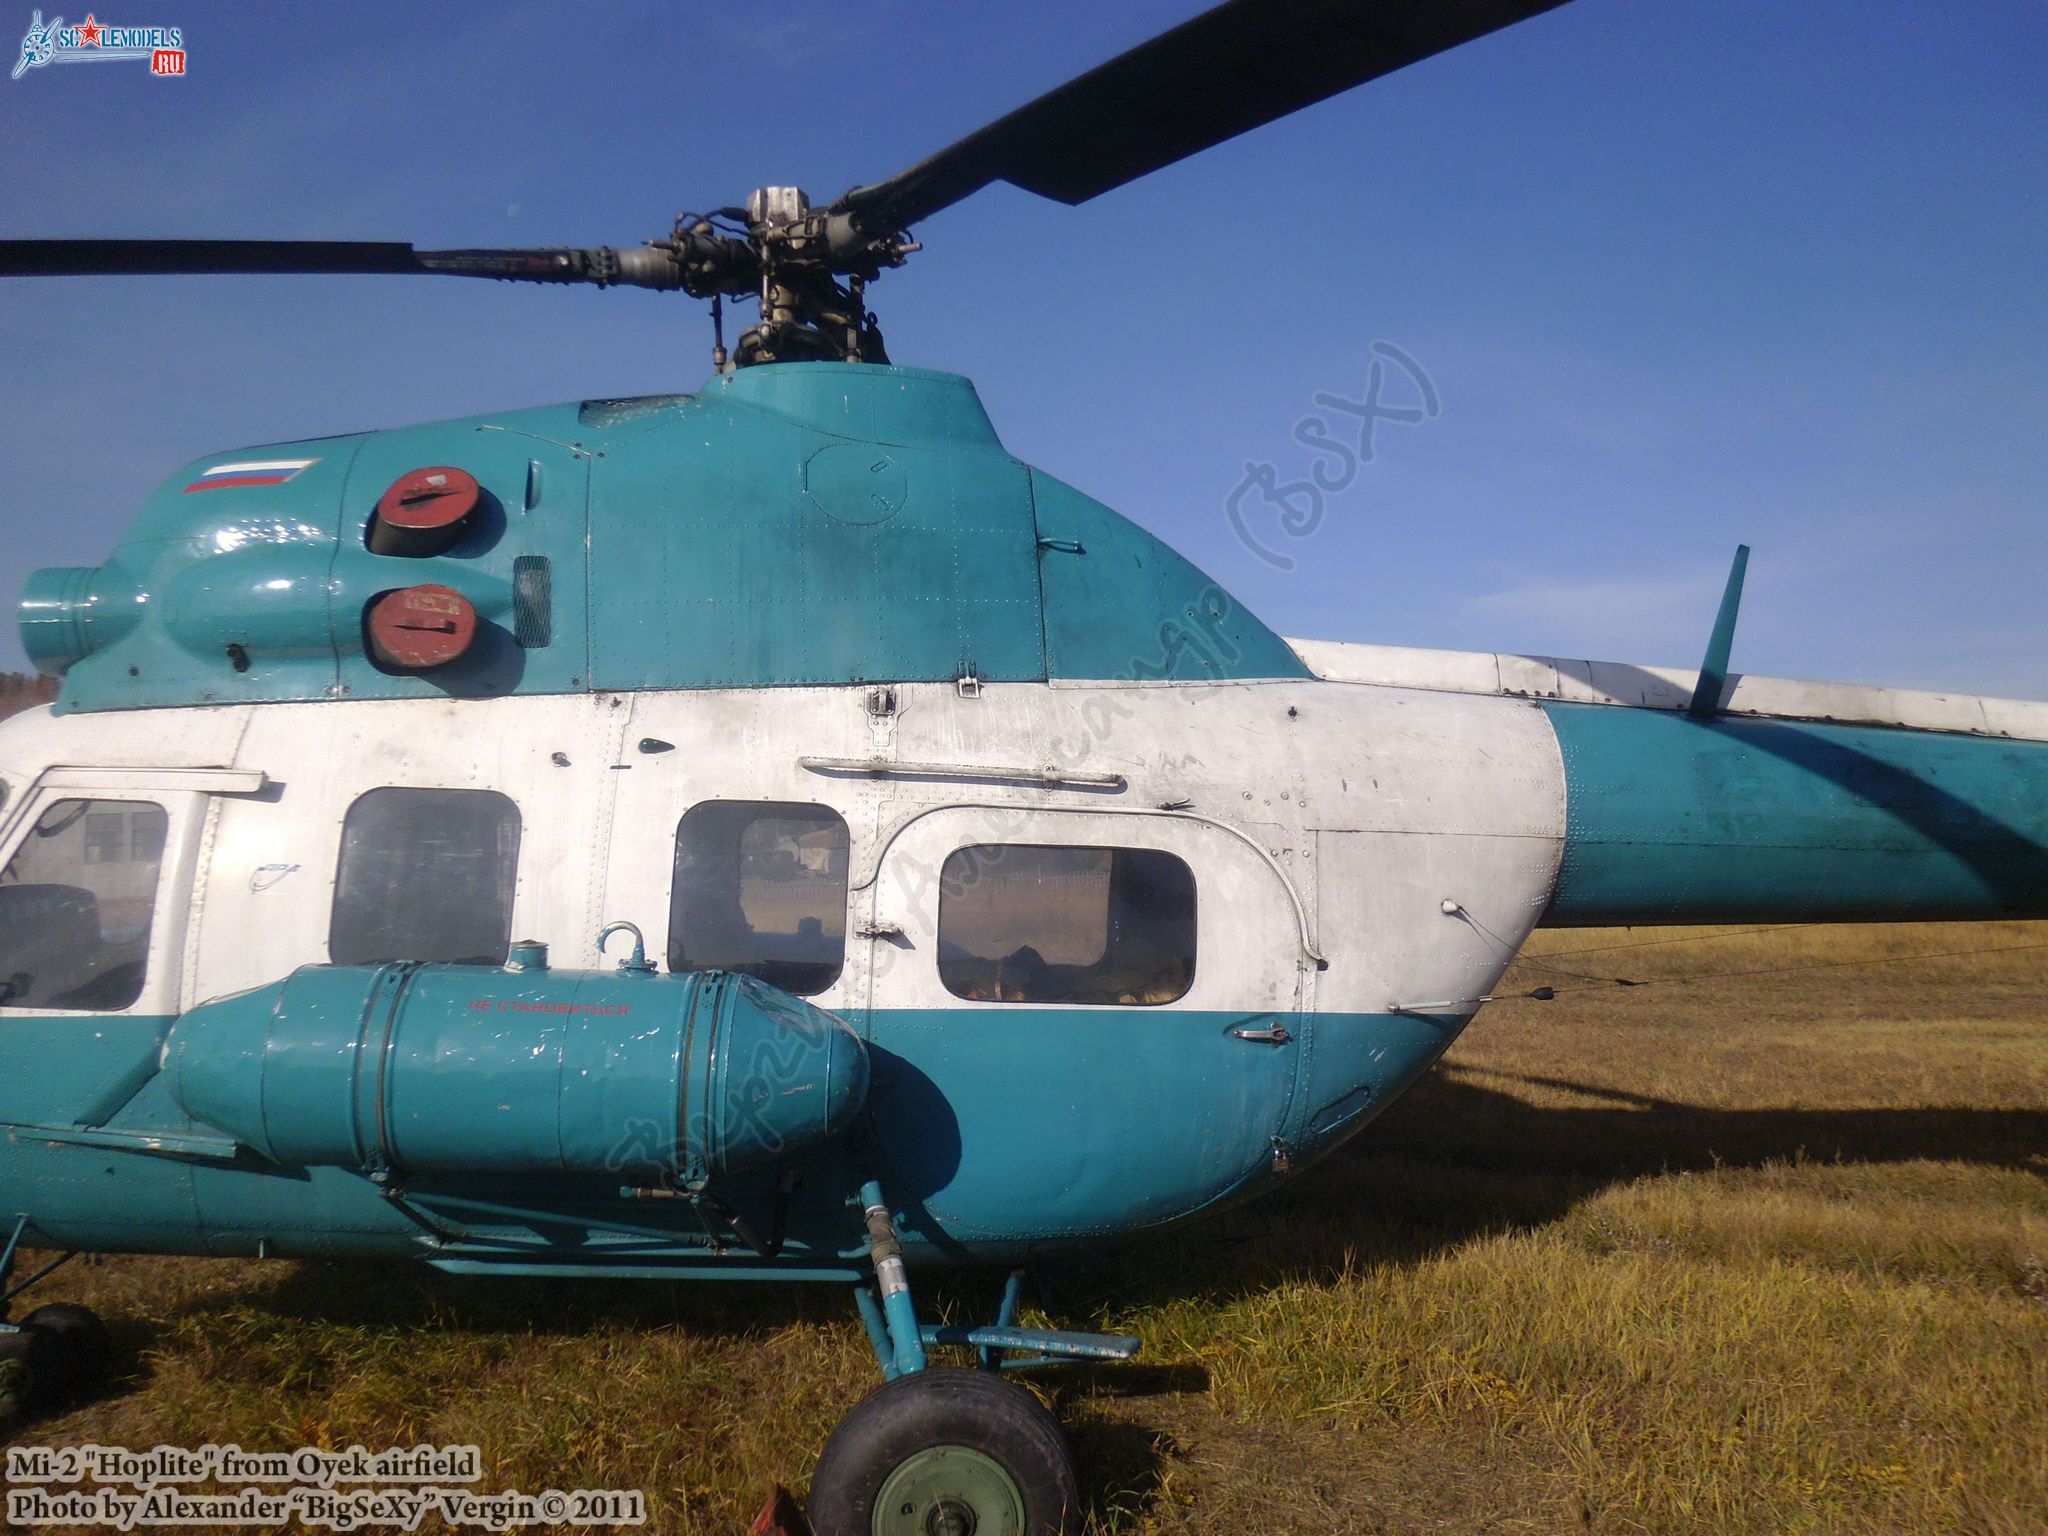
(109, 258)
(1229, 70)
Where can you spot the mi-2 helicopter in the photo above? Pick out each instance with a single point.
(772, 833)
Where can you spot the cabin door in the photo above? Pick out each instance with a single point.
(1081, 1022)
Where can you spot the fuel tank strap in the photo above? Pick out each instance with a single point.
(372, 1083)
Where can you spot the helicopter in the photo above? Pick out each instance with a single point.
(773, 834)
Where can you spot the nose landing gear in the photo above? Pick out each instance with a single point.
(58, 1353)
(944, 1451)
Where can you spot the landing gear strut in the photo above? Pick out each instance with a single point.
(57, 1353)
(945, 1451)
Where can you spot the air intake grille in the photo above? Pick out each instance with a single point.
(533, 602)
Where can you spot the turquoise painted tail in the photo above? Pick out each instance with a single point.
(1676, 819)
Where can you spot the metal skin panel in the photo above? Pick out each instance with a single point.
(1007, 1125)
(533, 476)
(892, 407)
(1121, 605)
(1742, 820)
(749, 539)
(1164, 1157)
(829, 584)
(1367, 859)
(794, 524)
(191, 562)
(1198, 1108)
(107, 1059)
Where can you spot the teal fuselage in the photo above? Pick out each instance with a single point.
(829, 585)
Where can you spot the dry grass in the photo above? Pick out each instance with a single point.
(1747, 1249)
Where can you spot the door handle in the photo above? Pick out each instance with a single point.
(1272, 1034)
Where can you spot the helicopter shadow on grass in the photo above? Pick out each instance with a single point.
(1122, 1462)
(1456, 1159)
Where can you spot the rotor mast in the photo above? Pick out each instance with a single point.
(807, 312)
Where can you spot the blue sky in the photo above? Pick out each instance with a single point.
(1678, 274)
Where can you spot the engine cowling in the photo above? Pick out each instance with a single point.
(451, 1069)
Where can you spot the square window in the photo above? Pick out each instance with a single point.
(426, 874)
(760, 888)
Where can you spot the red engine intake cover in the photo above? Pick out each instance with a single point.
(424, 511)
(417, 628)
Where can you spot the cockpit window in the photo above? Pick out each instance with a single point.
(76, 903)
(1021, 923)
(426, 874)
(760, 888)
(11, 783)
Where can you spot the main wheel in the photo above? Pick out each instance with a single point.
(80, 1352)
(24, 1367)
(946, 1453)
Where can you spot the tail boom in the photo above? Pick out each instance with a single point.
(1791, 801)
(1670, 819)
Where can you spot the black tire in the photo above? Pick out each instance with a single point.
(891, 1430)
(25, 1369)
(81, 1355)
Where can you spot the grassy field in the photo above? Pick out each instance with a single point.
(1760, 1244)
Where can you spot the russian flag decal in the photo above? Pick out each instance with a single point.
(256, 472)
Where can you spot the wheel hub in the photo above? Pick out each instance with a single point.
(949, 1490)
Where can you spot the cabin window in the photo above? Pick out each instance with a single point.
(426, 874)
(76, 903)
(1020, 923)
(760, 888)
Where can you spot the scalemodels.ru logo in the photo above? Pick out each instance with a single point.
(97, 42)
